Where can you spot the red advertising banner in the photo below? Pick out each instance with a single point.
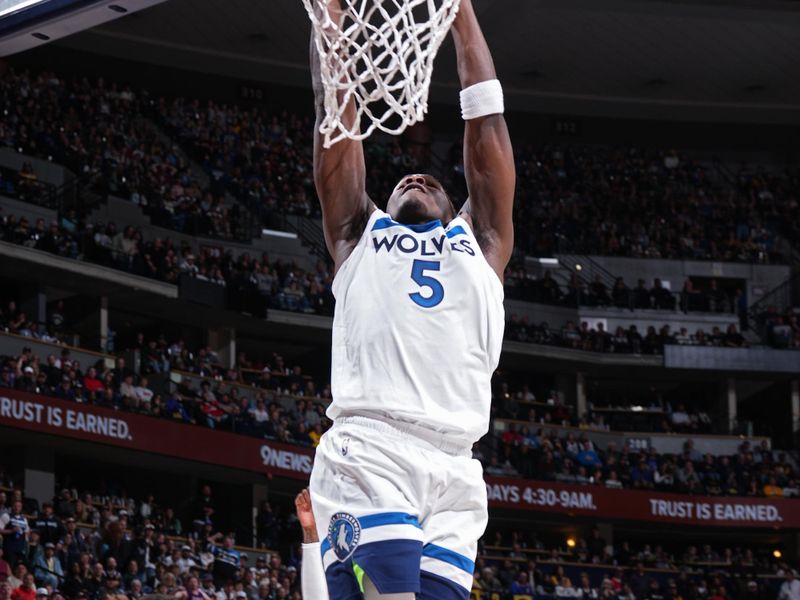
(605, 503)
(148, 434)
(190, 442)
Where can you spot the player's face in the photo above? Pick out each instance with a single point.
(418, 199)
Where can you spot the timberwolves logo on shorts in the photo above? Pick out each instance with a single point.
(343, 534)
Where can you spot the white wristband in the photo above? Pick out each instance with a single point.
(481, 99)
(312, 575)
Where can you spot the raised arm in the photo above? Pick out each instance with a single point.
(488, 156)
(339, 171)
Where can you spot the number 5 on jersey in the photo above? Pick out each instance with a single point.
(426, 281)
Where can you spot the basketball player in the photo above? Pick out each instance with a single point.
(417, 332)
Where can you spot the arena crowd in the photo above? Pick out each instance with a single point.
(586, 199)
(269, 399)
(104, 544)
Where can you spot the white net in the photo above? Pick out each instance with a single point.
(379, 53)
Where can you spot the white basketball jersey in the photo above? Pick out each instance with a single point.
(418, 328)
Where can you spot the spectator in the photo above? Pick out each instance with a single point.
(790, 589)
(733, 338)
(620, 294)
(227, 561)
(47, 567)
(662, 298)
(642, 475)
(27, 591)
(142, 392)
(49, 527)
(599, 292)
(186, 560)
(654, 591)
(521, 585)
(565, 589)
(772, 489)
(18, 576)
(688, 478)
(91, 382)
(15, 531)
(663, 478)
(639, 581)
(588, 457)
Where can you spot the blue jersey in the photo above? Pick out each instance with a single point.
(226, 562)
(15, 542)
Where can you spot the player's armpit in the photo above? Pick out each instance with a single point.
(488, 155)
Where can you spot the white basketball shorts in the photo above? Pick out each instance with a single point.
(399, 504)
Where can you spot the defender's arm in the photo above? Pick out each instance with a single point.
(339, 171)
(313, 574)
(488, 156)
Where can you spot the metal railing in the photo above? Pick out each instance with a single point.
(775, 303)
(309, 232)
(532, 290)
(73, 195)
(586, 269)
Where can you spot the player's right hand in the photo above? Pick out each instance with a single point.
(305, 515)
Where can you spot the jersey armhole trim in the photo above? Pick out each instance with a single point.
(468, 227)
(376, 214)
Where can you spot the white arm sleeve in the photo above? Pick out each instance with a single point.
(312, 577)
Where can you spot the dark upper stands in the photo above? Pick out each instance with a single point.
(593, 200)
(93, 127)
(99, 129)
(781, 328)
(255, 283)
(620, 341)
(692, 297)
(634, 202)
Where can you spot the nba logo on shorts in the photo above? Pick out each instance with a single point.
(343, 535)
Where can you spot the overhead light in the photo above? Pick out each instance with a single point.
(117, 8)
(548, 261)
(571, 543)
(41, 36)
(578, 267)
(777, 553)
(17, 5)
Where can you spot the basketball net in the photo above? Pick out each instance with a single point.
(379, 54)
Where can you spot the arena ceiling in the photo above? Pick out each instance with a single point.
(720, 60)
